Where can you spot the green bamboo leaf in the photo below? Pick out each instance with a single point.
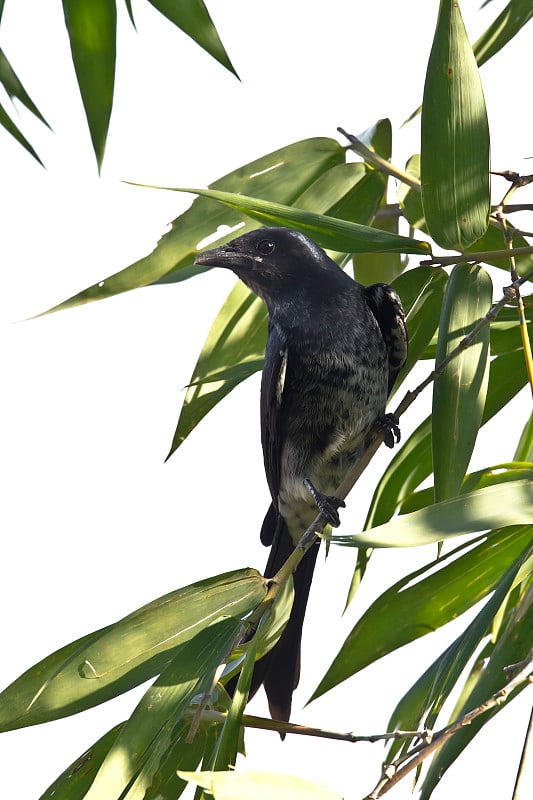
(421, 290)
(431, 690)
(513, 646)
(92, 30)
(329, 232)
(282, 176)
(506, 25)
(74, 782)
(380, 267)
(7, 123)
(417, 605)
(108, 662)
(493, 239)
(455, 137)
(190, 672)
(233, 350)
(259, 785)
(15, 89)
(489, 476)
(193, 18)
(410, 198)
(459, 392)
(524, 449)
(480, 510)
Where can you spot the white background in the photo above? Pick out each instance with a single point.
(94, 523)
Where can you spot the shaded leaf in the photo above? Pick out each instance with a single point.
(512, 647)
(7, 123)
(506, 25)
(329, 232)
(459, 392)
(480, 510)
(455, 137)
(92, 30)
(108, 662)
(15, 89)
(281, 175)
(191, 671)
(74, 782)
(259, 785)
(426, 599)
(432, 689)
(524, 449)
(193, 18)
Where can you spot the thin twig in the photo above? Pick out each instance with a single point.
(378, 161)
(483, 255)
(523, 757)
(393, 773)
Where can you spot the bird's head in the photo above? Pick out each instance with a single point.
(270, 261)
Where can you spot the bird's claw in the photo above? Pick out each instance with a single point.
(390, 425)
(327, 504)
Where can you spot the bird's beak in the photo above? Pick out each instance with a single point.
(223, 256)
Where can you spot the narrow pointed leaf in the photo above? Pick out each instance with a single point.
(92, 30)
(524, 449)
(480, 510)
(513, 646)
(425, 600)
(455, 137)
(432, 689)
(459, 392)
(506, 25)
(7, 123)
(329, 232)
(74, 782)
(190, 672)
(15, 89)
(193, 18)
(281, 175)
(108, 662)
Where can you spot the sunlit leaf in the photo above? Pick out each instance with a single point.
(455, 137)
(92, 30)
(506, 25)
(259, 785)
(7, 123)
(282, 176)
(193, 18)
(111, 661)
(460, 390)
(329, 232)
(426, 599)
(191, 671)
(14, 88)
(524, 449)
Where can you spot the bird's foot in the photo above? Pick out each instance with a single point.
(326, 503)
(390, 425)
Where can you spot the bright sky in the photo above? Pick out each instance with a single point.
(95, 524)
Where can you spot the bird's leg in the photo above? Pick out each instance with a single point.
(389, 424)
(326, 503)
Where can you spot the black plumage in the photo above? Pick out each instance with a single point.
(333, 352)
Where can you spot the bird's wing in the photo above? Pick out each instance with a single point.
(387, 308)
(272, 384)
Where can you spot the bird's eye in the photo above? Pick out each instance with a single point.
(266, 246)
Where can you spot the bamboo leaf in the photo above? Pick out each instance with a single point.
(7, 123)
(455, 137)
(14, 88)
(524, 449)
(512, 647)
(482, 509)
(329, 232)
(427, 599)
(108, 662)
(259, 785)
(193, 18)
(459, 392)
(506, 25)
(282, 176)
(191, 671)
(92, 30)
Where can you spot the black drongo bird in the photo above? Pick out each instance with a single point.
(333, 352)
